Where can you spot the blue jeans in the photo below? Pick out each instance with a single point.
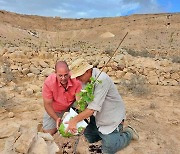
(111, 143)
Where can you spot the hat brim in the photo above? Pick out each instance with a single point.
(81, 72)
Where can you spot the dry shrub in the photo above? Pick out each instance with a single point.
(7, 75)
(175, 59)
(3, 98)
(137, 85)
(143, 53)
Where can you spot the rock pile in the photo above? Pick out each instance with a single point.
(24, 63)
(23, 140)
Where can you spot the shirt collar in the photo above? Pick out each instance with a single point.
(68, 85)
(95, 72)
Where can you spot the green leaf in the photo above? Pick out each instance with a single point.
(62, 131)
(80, 129)
(87, 95)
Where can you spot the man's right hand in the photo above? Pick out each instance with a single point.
(58, 122)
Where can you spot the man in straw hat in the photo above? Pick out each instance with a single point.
(59, 93)
(106, 111)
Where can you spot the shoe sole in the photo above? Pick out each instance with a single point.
(134, 131)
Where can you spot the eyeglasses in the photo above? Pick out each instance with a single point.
(63, 76)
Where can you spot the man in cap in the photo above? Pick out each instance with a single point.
(106, 111)
(59, 93)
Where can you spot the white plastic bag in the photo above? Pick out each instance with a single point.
(80, 125)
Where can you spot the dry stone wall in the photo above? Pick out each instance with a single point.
(29, 64)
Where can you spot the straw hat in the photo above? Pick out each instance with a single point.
(79, 67)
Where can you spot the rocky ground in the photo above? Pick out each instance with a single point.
(145, 69)
(149, 87)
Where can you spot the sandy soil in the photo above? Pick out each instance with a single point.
(155, 116)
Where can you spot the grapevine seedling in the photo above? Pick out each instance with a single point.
(86, 95)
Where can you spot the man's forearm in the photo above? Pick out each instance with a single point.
(83, 115)
(50, 111)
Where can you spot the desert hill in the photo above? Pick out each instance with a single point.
(152, 33)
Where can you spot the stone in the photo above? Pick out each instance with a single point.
(19, 89)
(14, 71)
(164, 83)
(34, 63)
(11, 115)
(8, 148)
(14, 67)
(127, 60)
(165, 63)
(116, 80)
(34, 70)
(25, 71)
(111, 73)
(24, 142)
(101, 64)
(152, 73)
(109, 69)
(35, 88)
(120, 74)
(8, 129)
(128, 76)
(28, 92)
(47, 71)
(149, 63)
(19, 68)
(30, 75)
(167, 69)
(171, 82)
(146, 71)
(38, 94)
(52, 148)
(118, 58)
(39, 147)
(83, 146)
(2, 70)
(175, 76)
(105, 69)
(121, 66)
(46, 136)
(161, 78)
(2, 110)
(2, 84)
(43, 64)
(153, 80)
(167, 75)
(96, 63)
(11, 84)
(25, 66)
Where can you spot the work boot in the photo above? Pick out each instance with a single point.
(134, 133)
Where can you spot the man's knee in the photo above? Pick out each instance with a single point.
(108, 148)
(50, 131)
(92, 138)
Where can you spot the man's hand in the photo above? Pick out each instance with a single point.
(72, 126)
(58, 122)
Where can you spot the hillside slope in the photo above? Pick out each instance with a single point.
(155, 33)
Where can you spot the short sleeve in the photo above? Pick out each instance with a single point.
(79, 87)
(100, 92)
(46, 92)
